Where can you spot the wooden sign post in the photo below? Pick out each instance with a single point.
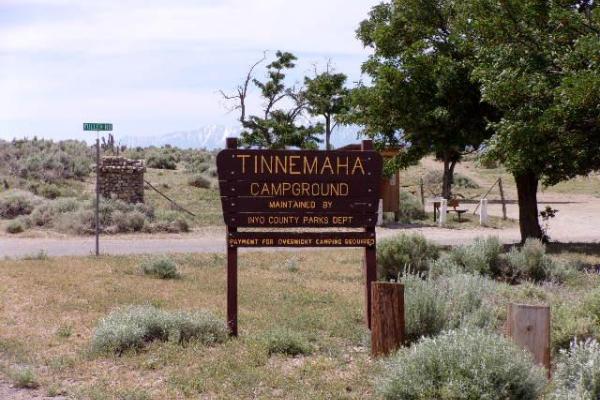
(299, 189)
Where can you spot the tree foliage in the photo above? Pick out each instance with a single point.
(539, 63)
(277, 126)
(327, 97)
(422, 95)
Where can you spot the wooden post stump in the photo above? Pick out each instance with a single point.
(529, 327)
(387, 317)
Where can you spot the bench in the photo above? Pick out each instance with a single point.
(455, 204)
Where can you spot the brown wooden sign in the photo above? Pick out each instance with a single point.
(298, 189)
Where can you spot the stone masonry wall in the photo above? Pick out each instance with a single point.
(122, 178)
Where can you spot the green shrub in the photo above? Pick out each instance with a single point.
(404, 252)
(39, 256)
(464, 182)
(46, 213)
(577, 374)
(49, 191)
(462, 365)
(532, 262)
(163, 268)
(80, 222)
(197, 163)
(199, 181)
(130, 328)
(132, 221)
(45, 160)
(15, 226)
(42, 215)
(411, 208)
(570, 321)
(170, 221)
(591, 304)
(481, 257)
(448, 302)
(25, 378)
(66, 204)
(160, 159)
(14, 203)
(285, 341)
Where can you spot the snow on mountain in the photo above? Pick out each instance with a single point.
(213, 137)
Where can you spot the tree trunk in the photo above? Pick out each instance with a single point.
(448, 177)
(527, 185)
(327, 132)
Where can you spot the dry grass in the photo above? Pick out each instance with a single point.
(205, 203)
(42, 299)
(49, 308)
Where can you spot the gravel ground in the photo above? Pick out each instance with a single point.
(8, 392)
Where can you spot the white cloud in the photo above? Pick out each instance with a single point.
(155, 59)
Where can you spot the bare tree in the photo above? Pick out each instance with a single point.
(242, 91)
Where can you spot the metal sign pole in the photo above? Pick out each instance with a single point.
(97, 193)
(97, 127)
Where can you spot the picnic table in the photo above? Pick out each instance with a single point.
(453, 203)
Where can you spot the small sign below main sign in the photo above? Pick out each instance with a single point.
(97, 126)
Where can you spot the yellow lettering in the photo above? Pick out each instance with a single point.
(358, 165)
(264, 165)
(243, 157)
(327, 165)
(341, 165)
(280, 167)
(293, 165)
(310, 168)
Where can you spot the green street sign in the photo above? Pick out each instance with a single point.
(95, 126)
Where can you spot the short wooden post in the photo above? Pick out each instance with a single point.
(529, 327)
(387, 319)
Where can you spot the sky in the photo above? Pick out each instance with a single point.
(152, 67)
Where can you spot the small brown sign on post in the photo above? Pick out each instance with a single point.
(298, 189)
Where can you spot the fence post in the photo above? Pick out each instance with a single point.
(483, 214)
(502, 198)
(529, 327)
(422, 193)
(387, 317)
(443, 212)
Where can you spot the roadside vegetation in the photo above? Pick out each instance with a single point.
(302, 330)
(46, 185)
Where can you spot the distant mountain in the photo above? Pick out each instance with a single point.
(213, 137)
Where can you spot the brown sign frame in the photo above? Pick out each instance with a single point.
(280, 189)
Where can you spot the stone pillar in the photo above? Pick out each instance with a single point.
(122, 178)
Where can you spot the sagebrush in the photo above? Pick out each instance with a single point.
(404, 253)
(464, 364)
(130, 328)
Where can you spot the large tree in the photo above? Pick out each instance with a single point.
(277, 125)
(421, 93)
(538, 61)
(326, 97)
